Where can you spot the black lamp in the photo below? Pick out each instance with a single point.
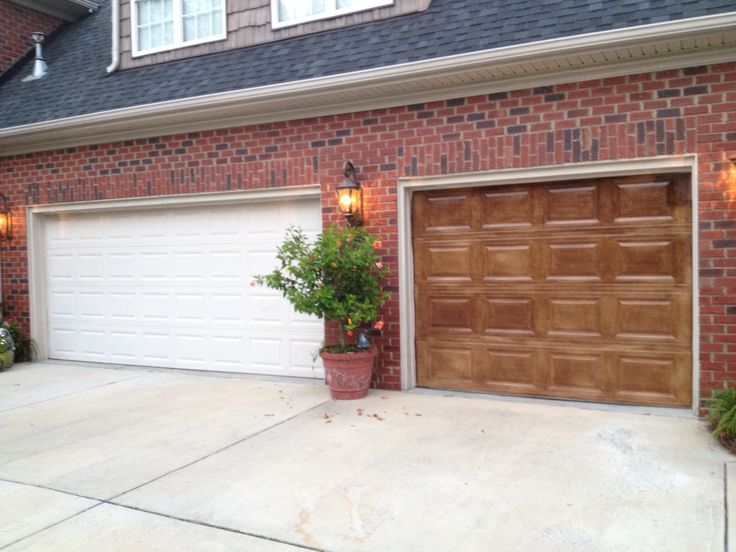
(6, 219)
(350, 197)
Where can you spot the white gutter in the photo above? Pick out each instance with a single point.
(115, 37)
(298, 97)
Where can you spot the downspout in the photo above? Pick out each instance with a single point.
(115, 37)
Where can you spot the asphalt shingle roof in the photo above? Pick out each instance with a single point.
(77, 83)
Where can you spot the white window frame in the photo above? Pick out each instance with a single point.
(327, 14)
(179, 41)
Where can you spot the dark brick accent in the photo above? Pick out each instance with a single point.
(543, 90)
(693, 90)
(554, 97)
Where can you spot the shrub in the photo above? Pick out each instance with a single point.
(338, 277)
(722, 416)
(23, 343)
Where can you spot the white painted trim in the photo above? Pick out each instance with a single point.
(550, 173)
(329, 13)
(36, 215)
(115, 60)
(178, 21)
(374, 88)
(695, 199)
(180, 200)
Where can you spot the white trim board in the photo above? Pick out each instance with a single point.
(696, 41)
(602, 169)
(36, 214)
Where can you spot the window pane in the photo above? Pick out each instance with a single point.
(202, 18)
(297, 9)
(155, 23)
(216, 22)
(190, 28)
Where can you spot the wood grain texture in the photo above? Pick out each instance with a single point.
(579, 290)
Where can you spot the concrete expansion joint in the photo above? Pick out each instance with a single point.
(64, 395)
(726, 528)
(213, 526)
(222, 449)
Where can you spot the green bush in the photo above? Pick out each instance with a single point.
(722, 415)
(23, 343)
(338, 277)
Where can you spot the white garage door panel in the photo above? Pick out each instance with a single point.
(170, 288)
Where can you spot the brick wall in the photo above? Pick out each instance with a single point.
(692, 110)
(17, 23)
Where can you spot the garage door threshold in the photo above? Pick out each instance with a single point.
(605, 407)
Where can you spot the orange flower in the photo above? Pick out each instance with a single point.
(377, 244)
(378, 325)
(379, 264)
(339, 243)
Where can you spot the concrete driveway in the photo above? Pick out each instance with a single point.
(96, 459)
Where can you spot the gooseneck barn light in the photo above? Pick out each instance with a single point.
(350, 196)
(6, 219)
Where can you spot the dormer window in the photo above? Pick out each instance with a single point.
(285, 13)
(160, 25)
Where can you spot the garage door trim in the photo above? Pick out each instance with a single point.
(36, 216)
(629, 167)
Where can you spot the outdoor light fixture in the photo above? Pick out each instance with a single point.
(6, 219)
(350, 196)
(733, 160)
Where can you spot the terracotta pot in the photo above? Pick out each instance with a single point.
(349, 374)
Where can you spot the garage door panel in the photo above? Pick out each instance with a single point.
(510, 208)
(549, 286)
(508, 370)
(571, 204)
(171, 289)
(509, 262)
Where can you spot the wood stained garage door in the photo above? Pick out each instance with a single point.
(579, 290)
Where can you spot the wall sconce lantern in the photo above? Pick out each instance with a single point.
(350, 197)
(6, 219)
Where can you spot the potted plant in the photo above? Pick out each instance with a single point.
(338, 278)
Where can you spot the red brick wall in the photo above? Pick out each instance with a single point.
(691, 110)
(16, 25)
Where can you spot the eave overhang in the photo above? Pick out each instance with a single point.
(66, 10)
(688, 42)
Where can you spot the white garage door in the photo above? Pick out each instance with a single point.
(170, 287)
